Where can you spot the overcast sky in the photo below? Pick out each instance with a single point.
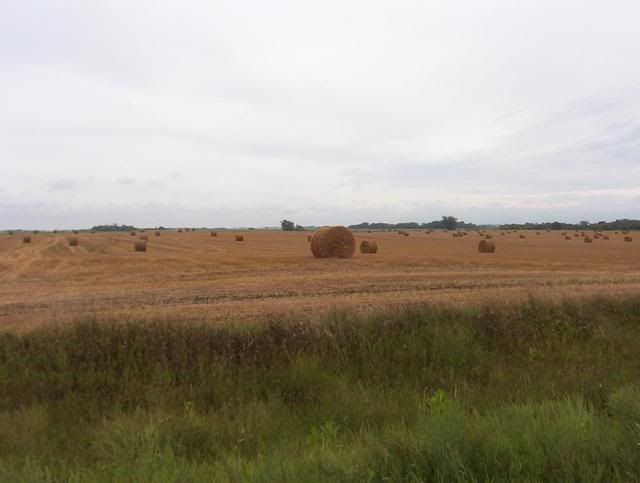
(241, 113)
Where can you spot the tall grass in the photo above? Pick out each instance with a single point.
(536, 392)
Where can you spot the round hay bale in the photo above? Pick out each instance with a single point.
(588, 239)
(406, 233)
(55, 232)
(10, 232)
(73, 241)
(144, 238)
(133, 233)
(605, 237)
(486, 246)
(488, 237)
(522, 236)
(368, 246)
(35, 232)
(26, 239)
(157, 233)
(628, 239)
(179, 230)
(309, 238)
(140, 246)
(214, 233)
(568, 238)
(239, 237)
(93, 231)
(186, 230)
(333, 242)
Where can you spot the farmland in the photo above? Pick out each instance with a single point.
(204, 358)
(192, 276)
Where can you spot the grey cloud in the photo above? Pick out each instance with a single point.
(126, 181)
(62, 184)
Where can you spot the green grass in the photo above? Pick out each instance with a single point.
(534, 392)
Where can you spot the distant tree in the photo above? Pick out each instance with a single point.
(299, 228)
(449, 222)
(287, 225)
(584, 224)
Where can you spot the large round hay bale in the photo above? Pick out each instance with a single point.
(140, 246)
(26, 239)
(628, 239)
(239, 237)
(368, 246)
(333, 242)
(73, 241)
(486, 246)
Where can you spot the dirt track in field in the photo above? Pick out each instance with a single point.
(193, 276)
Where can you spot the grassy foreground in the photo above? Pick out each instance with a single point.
(534, 392)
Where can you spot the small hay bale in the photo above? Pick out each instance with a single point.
(239, 238)
(10, 232)
(157, 233)
(140, 246)
(214, 233)
(628, 239)
(309, 238)
(488, 237)
(26, 239)
(588, 239)
(406, 233)
(144, 237)
(133, 233)
(568, 238)
(179, 230)
(35, 232)
(522, 236)
(368, 246)
(605, 237)
(55, 232)
(73, 241)
(93, 231)
(75, 232)
(486, 246)
(333, 242)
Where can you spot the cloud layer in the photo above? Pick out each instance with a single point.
(242, 113)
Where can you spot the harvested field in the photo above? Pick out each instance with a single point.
(192, 276)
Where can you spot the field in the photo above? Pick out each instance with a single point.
(207, 359)
(192, 276)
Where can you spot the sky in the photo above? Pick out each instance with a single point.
(242, 113)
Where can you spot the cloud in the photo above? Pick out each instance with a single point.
(279, 109)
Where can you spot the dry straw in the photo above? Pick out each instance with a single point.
(239, 238)
(73, 241)
(368, 246)
(140, 246)
(333, 242)
(486, 246)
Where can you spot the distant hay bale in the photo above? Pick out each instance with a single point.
(140, 246)
(368, 246)
(133, 233)
(55, 232)
(588, 239)
(186, 230)
(239, 237)
(605, 237)
(144, 238)
(157, 233)
(576, 235)
(309, 238)
(214, 233)
(568, 238)
(26, 239)
(333, 242)
(73, 241)
(628, 239)
(522, 236)
(93, 231)
(625, 232)
(75, 232)
(35, 232)
(10, 232)
(486, 246)
(179, 230)
(488, 237)
(537, 233)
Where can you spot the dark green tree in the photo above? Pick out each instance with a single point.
(449, 222)
(287, 225)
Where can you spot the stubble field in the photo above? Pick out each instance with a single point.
(192, 276)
